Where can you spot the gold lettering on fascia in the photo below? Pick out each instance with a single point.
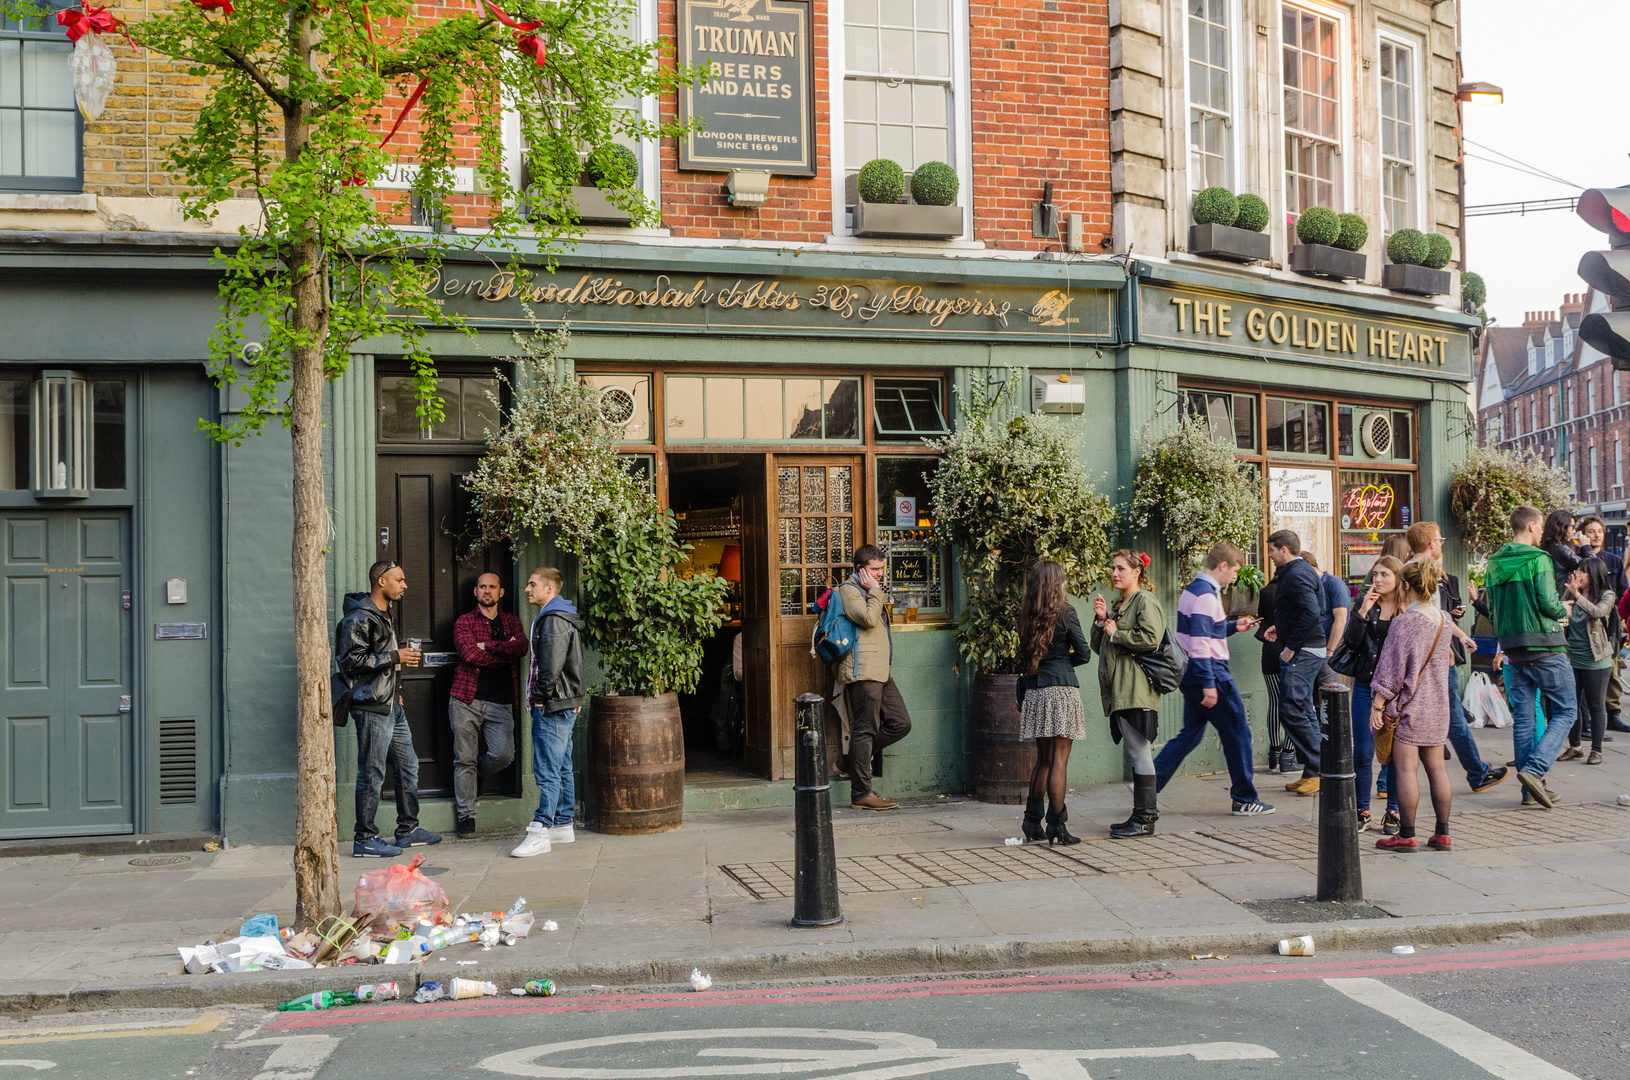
(861, 302)
(1215, 319)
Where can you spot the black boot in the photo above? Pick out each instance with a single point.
(1616, 722)
(1032, 820)
(1056, 832)
(1144, 813)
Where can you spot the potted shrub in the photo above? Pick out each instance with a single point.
(1226, 227)
(612, 167)
(1417, 262)
(1008, 495)
(1474, 293)
(880, 211)
(552, 472)
(1489, 484)
(1321, 253)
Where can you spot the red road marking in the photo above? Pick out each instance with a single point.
(1618, 949)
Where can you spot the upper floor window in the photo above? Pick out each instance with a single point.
(1590, 395)
(1311, 76)
(898, 84)
(1398, 81)
(39, 123)
(1210, 93)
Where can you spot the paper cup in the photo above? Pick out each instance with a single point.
(1297, 946)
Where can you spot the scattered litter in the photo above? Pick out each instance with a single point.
(1403, 950)
(1209, 956)
(465, 989)
(428, 992)
(399, 895)
(322, 999)
(212, 847)
(1624, 800)
(698, 981)
(517, 925)
(1297, 946)
(466, 963)
(1014, 841)
(539, 988)
(550, 926)
(259, 926)
(378, 992)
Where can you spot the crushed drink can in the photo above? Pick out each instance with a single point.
(540, 988)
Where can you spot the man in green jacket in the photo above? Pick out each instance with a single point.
(1529, 619)
(877, 712)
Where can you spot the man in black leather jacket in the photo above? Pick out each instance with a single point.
(370, 657)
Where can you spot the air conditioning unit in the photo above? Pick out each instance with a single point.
(1375, 434)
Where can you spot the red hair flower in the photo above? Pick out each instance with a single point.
(1143, 557)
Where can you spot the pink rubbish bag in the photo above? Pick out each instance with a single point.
(396, 895)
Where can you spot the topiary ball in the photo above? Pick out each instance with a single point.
(934, 184)
(1253, 213)
(1216, 206)
(613, 165)
(1473, 290)
(1408, 246)
(1318, 225)
(554, 162)
(1438, 251)
(881, 181)
(1353, 232)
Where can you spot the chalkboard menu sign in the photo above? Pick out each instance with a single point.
(757, 99)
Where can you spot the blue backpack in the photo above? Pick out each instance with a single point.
(835, 635)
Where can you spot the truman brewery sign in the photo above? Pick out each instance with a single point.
(756, 101)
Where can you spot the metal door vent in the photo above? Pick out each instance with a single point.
(177, 760)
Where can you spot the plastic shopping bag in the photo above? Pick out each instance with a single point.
(399, 895)
(1485, 705)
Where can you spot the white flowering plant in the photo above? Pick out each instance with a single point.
(1489, 484)
(1009, 496)
(1194, 487)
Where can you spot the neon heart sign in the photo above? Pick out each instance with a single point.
(1368, 506)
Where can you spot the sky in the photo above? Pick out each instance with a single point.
(1562, 66)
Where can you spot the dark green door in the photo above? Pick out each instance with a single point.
(68, 738)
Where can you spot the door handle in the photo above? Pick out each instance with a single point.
(124, 703)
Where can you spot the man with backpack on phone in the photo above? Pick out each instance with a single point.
(877, 712)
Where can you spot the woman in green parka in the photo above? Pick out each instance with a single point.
(1132, 623)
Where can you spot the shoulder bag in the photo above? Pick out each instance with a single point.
(1164, 666)
(1349, 661)
(1383, 737)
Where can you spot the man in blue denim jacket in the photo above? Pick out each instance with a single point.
(555, 694)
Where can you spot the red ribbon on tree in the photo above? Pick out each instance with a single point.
(223, 6)
(526, 36)
(80, 23)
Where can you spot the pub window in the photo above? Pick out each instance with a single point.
(625, 400)
(1231, 417)
(730, 408)
(1369, 431)
(1373, 505)
(1298, 427)
(40, 127)
(908, 409)
(1398, 82)
(913, 554)
(1210, 94)
(16, 434)
(469, 410)
(815, 534)
(1311, 73)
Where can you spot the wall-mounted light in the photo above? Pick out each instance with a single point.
(1479, 93)
(748, 188)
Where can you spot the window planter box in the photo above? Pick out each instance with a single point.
(1227, 242)
(907, 220)
(1322, 260)
(593, 208)
(1419, 280)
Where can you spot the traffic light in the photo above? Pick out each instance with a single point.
(1608, 272)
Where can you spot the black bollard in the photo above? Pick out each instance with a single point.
(815, 881)
(1340, 879)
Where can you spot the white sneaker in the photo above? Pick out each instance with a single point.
(535, 842)
(561, 834)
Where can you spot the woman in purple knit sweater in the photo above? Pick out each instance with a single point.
(1411, 684)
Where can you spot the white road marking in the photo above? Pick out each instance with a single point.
(27, 1063)
(1489, 1052)
(297, 1057)
(888, 1056)
(198, 1025)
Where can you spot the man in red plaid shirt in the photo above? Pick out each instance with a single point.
(490, 644)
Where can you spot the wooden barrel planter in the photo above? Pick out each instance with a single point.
(1002, 761)
(637, 757)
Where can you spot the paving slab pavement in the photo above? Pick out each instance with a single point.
(934, 888)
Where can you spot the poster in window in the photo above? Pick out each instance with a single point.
(755, 102)
(1304, 501)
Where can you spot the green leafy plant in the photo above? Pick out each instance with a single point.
(1489, 484)
(1408, 247)
(554, 161)
(1216, 206)
(1251, 579)
(934, 184)
(1473, 290)
(613, 166)
(1438, 251)
(553, 470)
(1008, 495)
(1354, 232)
(1253, 213)
(1193, 486)
(880, 181)
(1318, 225)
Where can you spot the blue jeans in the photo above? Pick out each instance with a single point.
(1364, 746)
(383, 740)
(552, 765)
(1539, 710)
(1297, 714)
(1233, 729)
(1549, 678)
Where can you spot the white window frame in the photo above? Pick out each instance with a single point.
(1342, 181)
(1420, 196)
(960, 121)
(1236, 87)
(1593, 476)
(1618, 462)
(1590, 395)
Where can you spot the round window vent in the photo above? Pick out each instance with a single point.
(1376, 434)
(616, 405)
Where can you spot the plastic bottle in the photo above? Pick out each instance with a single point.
(540, 988)
(477, 918)
(378, 992)
(517, 907)
(322, 999)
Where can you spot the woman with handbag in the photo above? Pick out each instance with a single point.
(1590, 650)
(1051, 647)
(1361, 645)
(1134, 624)
(1409, 709)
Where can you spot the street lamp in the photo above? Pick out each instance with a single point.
(1479, 93)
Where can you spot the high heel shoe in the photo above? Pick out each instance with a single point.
(1144, 812)
(1033, 830)
(1056, 832)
